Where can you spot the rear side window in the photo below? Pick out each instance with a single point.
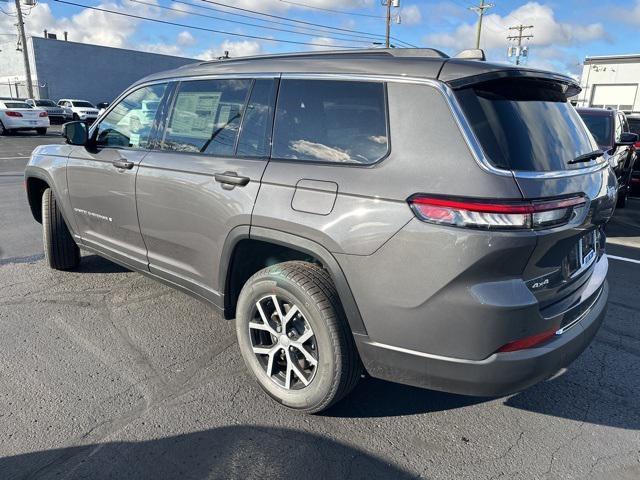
(331, 121)
(525, 124)
(206, 116)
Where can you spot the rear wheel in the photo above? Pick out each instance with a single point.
(41, 131)
(294, 338)
(60, 250)
(3, 130)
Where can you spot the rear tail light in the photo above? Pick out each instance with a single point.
(527, 342)
(44, 114)
(9, 113)
(637, 145)
(488, 214)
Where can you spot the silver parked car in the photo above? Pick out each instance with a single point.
(430, 220)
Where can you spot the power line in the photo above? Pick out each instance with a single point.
(308, 29)
(182, 25)
(297, 21)
(245, 23)
(304, 5)
(479, 9)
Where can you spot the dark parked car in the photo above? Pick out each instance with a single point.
(436, 221)
(634, 126)
(610, 129)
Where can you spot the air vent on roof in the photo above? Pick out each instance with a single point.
(472, 54)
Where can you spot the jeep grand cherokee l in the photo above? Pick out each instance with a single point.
(430, 220)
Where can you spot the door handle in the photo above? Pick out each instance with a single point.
(122, 163)
(231, 179)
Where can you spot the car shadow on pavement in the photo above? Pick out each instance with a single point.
(233, 452)
(96, 264)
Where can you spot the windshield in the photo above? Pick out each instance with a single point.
(526, 124)
(599, 126)
(45, 103)
(82, 104)
(16, 105)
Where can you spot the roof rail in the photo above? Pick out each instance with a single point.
(355, 52)
(472, 54)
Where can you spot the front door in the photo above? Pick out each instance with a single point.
(102, 177)
(203, 179)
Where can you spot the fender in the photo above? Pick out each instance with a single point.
(305, 245)
(32, 171)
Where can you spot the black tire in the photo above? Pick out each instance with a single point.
(60, 250)
(3, 131)
(41, 131)
(76, 117)
(309, 287)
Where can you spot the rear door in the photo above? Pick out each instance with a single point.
(102, 178)
(203, 180)
(527, 126)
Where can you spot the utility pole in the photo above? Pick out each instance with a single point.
(388, 17)
(519, 51)
(480, 11)
(25, 53)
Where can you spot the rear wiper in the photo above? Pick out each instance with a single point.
(587, 157)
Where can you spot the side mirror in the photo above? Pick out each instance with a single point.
(627, 138)
(76, 133)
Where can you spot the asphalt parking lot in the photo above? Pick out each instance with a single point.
(107, 374)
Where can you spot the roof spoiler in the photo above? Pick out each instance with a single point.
(472, 54)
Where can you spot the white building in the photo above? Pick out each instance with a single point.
(611, 81)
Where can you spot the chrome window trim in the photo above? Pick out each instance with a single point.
(446, 91)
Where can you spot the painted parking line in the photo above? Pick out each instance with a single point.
(623, 259)
(12, 158)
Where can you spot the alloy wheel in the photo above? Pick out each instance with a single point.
(283, 342)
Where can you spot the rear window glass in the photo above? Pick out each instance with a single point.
(599, 126)
(331, 121)
(634, 125)
(82, 104)
(16, 105)
(45, 103)
(526, 125)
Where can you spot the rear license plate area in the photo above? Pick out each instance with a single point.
(582, 255)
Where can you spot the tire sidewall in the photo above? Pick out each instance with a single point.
(324, 381)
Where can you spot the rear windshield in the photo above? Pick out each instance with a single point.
(16, 105)
(526, 124)
(599, 126)
(634, 124)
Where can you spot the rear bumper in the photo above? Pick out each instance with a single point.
(499, 374)
(22, 124)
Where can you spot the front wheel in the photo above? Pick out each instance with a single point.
(60, 249)
(294, 337)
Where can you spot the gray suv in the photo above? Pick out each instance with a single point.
(428, 220)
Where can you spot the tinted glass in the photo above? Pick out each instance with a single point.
(45, 103)
(331, 121)
(599, 126)
(206, 116)
(16, 105)
(82, 104)
(634, 125)
(129, 123)
(255, 136)
(526, 124)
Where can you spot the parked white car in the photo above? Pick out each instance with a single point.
(56, 113)
(17, 115)
(82, 110)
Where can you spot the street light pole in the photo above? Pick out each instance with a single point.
(25, 53)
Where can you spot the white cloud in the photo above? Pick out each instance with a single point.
(549, 36)
(242, 48)
(411, 15)
(324, 43)
(185, 39)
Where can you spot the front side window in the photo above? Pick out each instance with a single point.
(526, 124)
(130, 122)
(82, 104)
(206, 116)
(331, 121)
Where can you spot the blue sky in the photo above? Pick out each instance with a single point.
(565, 31)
